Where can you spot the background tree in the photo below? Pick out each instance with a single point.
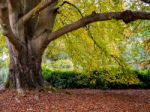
(28, 27)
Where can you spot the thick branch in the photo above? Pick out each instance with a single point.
(126, 16)
(13, 11)
(36, 10)
(5, 23)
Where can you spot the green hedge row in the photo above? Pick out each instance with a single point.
(98, 79)
(144, 77)
(111, 79)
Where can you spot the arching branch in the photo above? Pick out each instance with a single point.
(126, 16)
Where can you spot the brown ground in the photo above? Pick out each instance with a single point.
(77, 101)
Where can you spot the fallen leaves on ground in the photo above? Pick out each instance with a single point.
(78, 100)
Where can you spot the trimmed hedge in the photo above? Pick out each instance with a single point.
(144, 77)
(111, 79)
(98, 79)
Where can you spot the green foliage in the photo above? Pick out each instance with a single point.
(144, 77)
(63, 79)
(105, 79)
(3, 75)
(94, 46)
(46, 72)
(101, 44)
(3, 52)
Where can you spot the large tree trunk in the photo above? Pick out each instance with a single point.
(24, 69)
(25, 37)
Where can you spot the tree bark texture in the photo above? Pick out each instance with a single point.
(24, 39)
(25, 68)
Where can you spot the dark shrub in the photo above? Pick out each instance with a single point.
(111, 79)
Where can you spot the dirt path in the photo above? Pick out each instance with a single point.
(77, 101)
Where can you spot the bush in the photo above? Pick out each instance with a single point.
(46, 72)
(144, 77)
(111, 79)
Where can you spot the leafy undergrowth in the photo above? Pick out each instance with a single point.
(80, 100)
(98, 79)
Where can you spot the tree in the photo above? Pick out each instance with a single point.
(28, 28)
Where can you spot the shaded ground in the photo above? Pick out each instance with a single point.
(77, 101)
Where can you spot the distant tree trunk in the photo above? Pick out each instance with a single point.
(24, 69)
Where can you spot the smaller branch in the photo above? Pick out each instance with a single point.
(36, 10)
(78, 10)
(87, 26)
(7, 31)
(66, 2)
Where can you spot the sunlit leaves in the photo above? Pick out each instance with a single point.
(3, 52)
(101, 45)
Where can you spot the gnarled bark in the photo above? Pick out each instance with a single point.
(24, 69)
(24, 33)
